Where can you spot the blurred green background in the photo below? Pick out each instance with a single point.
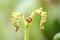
(52, 26)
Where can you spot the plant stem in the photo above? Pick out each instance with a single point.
(26, 33)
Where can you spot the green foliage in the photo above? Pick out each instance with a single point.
(57, 36)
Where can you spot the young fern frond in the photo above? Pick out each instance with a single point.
(43, 16)
(26, 22)
(15, 17)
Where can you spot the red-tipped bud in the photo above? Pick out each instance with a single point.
(29, 19)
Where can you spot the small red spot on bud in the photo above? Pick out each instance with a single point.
(29, 19)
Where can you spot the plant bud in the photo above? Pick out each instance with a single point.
(29, 19)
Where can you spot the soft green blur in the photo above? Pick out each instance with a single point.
(52, 26)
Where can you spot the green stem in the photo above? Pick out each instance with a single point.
(26, 33)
